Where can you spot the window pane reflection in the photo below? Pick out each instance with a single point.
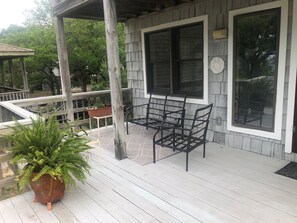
(159, 60)
(256, 39)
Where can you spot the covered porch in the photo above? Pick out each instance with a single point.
(216, 45)
(229, 185)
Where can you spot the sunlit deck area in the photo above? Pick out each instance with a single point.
(228, 185)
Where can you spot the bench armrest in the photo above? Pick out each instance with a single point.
(135, 106)
(177, 119)
(130, 109)
(175, 128)
(172, 112)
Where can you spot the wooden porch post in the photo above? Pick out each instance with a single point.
(110, 18)
(64, 66)
(2, 73)
(12, 73)
(24, 74)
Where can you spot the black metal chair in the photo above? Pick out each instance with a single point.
(188, 138)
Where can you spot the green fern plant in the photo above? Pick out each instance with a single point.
(45, 148)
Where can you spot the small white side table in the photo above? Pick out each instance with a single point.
(98, 119)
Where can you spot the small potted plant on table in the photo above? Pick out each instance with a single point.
(52, 157)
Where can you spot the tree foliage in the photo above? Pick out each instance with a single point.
(42, 15)
(257, 44)
(86, 49)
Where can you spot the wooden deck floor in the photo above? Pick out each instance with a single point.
(227, 186)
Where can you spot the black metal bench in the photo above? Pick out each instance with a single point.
(185, 139)
(166, 111)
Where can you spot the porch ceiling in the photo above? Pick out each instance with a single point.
(126, 9)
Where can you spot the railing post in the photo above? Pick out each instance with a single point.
(24, 73)
(12, 73)
(2, 73)
(1, 114)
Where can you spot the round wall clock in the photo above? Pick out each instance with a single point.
(217, 65)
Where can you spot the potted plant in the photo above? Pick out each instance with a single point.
(52, 158)
(99, 109)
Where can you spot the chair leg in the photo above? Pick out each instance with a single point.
(187, 161)
(173, 142)
(162, 137)
(204, 150)
(154, 152)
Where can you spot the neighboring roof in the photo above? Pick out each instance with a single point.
(9, 51)
(126, 9)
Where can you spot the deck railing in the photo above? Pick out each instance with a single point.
(45, 106)
(15, 95)
(23, 110)
(9, 112)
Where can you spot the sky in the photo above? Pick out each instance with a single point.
(12, 12)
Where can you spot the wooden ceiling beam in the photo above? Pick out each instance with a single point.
(136, 7)
(69, 6)
(156, 3)
(93, 9)
(162, 2)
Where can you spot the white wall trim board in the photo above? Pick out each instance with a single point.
(292, 83)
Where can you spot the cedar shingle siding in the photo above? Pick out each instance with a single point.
(217, 11)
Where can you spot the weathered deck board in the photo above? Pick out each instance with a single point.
(251, 195)
(135, 198)
(139, 214)
(146, 200)
(64, 214)
(156, 190)
(227, 186)
(8, 212)
(245, 209)
(267, 185)
(24, 210)
(40, 210)
(107, 204)
(77, 204)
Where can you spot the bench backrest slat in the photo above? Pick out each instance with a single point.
(201, 121)
(159, 107)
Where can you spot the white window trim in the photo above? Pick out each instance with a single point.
(276, 134)
(203, 19)
(292, 84)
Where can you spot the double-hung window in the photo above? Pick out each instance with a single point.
(175, 60)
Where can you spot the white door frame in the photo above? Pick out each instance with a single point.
(292, 83)
(277, 131)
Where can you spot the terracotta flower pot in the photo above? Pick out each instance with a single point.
(99, 112)
(47, 190)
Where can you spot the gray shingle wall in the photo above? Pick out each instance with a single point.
(217, 11)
